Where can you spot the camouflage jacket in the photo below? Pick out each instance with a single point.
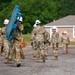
(33, 35)
(18, 33)
(3, 31)
(65, 39)
(55, 37)
(39, 33)
(47, 37)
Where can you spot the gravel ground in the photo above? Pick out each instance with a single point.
(64, 66)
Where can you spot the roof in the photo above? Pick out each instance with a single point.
(66, 21)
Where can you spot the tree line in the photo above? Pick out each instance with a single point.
(44, 10)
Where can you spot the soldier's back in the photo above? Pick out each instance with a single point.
(55, 37)
(65, 39)
(39, 34)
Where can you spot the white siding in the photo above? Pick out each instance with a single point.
(73, 32)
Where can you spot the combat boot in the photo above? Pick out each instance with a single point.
(55, 58)
(0, 54)
(46, 57)
(43, 58)
(38, 60)
(34, 58)
(7, 61)
(66, 52)
(18, 65)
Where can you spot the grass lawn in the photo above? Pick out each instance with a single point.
(72, 43)
(27, 38)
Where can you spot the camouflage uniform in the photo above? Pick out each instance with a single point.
(15, 45)
(47, 42)
(65, 41)
(5, 43)
(55, 41)
(0, 44)
(39, 41)
(33, 44)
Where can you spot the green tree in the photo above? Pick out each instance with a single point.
(44, 10)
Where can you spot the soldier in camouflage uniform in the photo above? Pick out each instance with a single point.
(47, 42)
(39, 40)
(33, 44)
(15, 44)
(5, 42)
(55, 41)
(0, 42)
(65, 41)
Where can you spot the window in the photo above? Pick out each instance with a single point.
(73, 32)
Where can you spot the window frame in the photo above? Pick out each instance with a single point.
(73, 32)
